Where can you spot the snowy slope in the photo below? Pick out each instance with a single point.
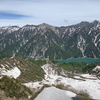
(9, 67)
(80, 84)
(88, 84)
(15, 72)
(53, 93)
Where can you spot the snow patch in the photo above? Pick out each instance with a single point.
(33, 84)
(95, 40)
(48, 69)
(3, 67)
(88, 84)
(71, 94)
(53, 93)
(96, 68)
(81, 44)
(87, 76)
(15, 72)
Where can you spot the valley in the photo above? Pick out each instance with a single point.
(63, 62)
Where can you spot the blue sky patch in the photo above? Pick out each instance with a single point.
(53, 12)
(7, 15)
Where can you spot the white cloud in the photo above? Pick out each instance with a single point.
(53, 12)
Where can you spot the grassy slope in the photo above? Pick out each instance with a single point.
(13, 88)
(30, 70)
(72, 66)
(77, 67)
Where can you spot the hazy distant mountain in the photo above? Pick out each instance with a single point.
(44, 40)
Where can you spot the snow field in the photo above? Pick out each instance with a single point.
(84, 83)
(53, 93)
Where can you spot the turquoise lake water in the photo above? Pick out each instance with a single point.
(86, 59)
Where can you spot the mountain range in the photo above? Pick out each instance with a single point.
(42, 41)
(24, 79)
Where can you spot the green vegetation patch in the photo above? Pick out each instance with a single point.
(13, 88)
(2, 55)
(39, 62)
(30, 70)
(78, 67)
(73, 66)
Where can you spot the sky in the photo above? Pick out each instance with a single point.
(53, 12)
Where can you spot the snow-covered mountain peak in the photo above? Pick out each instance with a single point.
(9, 29)
(13, 28)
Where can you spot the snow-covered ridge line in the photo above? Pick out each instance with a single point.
(9, 29)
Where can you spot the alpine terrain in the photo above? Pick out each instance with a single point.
(39, 80)
(30, 67)
(42, 41)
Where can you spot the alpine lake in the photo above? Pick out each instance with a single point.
(86, 59)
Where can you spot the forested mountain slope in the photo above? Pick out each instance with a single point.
(41, 41)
